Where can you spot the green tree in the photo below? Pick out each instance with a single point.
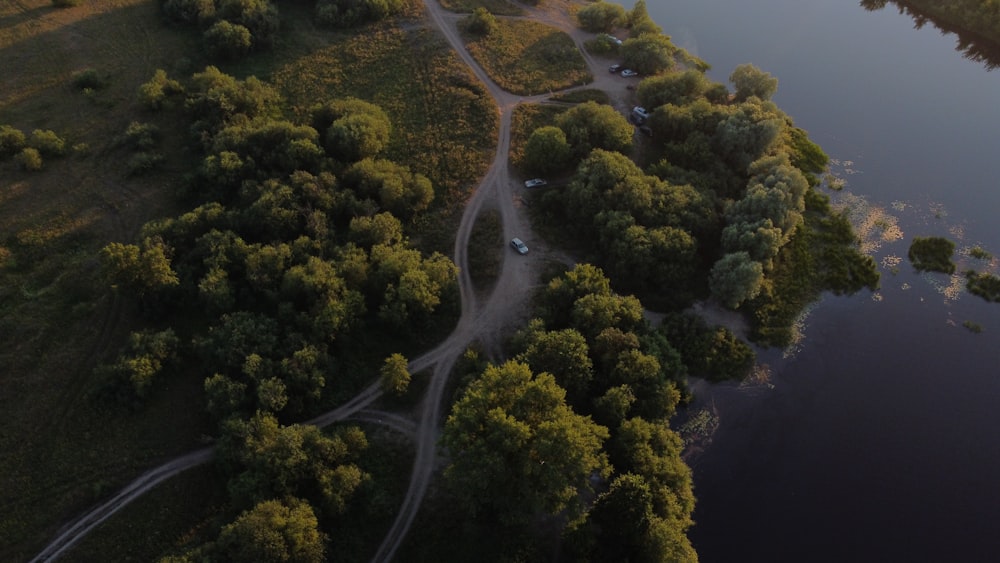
(271, 461)
(563, 291)
(160, 92)
(735, 278)
(649, 53)
(225, 40)
(651, 449)
(601, 16)
(564, 354)
(397, 189)
(546, 151)
(143, 270)
(481, 22)
(273, 531)
(517, 449)
(678, 88)
(751, 81)
(590, 126)
(639, 22)
(47, 142)
(395, 375)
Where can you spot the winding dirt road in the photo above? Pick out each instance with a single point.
(504, 309)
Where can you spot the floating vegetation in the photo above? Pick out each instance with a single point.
(973, 327)
(891, 262)
(984, 285)
(938, 210)
(697, 432)
(951, 290)
(978, 253)
(900, 206)
(877, 297)
(760, 376)
(932, 254)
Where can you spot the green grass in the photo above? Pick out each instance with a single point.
(495, 7)
(526, 57)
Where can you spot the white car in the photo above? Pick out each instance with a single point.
(627, 73)
(535, 183)
(518, 245)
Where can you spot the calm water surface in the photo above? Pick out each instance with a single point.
(879, 438)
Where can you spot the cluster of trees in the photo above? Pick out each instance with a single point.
(350, 13)
(295, 243)
(28, 151)
(581, 409)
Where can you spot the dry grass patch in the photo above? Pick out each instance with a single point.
(526, 57)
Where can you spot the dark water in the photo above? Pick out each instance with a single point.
(879, 436)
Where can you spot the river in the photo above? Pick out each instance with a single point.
(878, 435)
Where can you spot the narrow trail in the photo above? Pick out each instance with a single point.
(487, 323)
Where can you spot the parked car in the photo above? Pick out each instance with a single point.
(627, 73)
(639, 115)
(614, 68)
(535, 183)
(518, 245)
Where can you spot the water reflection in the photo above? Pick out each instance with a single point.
(969, 21)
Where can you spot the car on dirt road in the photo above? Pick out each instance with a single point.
(535, 183)
(627, 73)
(518, 245)
(614, 68)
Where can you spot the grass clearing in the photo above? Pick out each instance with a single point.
(583, 95)
(527, 57)
(486, 249)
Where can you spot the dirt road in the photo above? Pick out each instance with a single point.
(505, 308)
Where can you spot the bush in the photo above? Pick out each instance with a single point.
(481, 22)
(47, 142)
(88, 79)
(12, 141)
(29, 159)
(140, 136)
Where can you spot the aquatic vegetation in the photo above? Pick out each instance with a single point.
(979, 253)
(984, 284)
(932, 254)
(973, 327)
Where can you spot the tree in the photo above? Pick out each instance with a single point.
(269, 461)
(517, 449)
(649, 53)
(398, 190)
(225, 40)
(216, 99)
(273, 531)
(564, 354)
(639, 22)
(601, 16)
(381, 228)
(651, 449)
(748, 133)
(160, 91)
(751, 81)
(590, 126)
(735, 278)
(143, 270)
(626, 528)
(677, 88)
(349, 13)
(395, 375)
(481, 22)
(563, 291)
(358, 136)
(546, 151)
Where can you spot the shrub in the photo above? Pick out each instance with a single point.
(47, 142)
(88, 79)
(144, 162)
(481, 22)
(140, 136)
(11, 141)
(29, 159)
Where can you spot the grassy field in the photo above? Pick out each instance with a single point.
(526, 57)
(62, 451)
